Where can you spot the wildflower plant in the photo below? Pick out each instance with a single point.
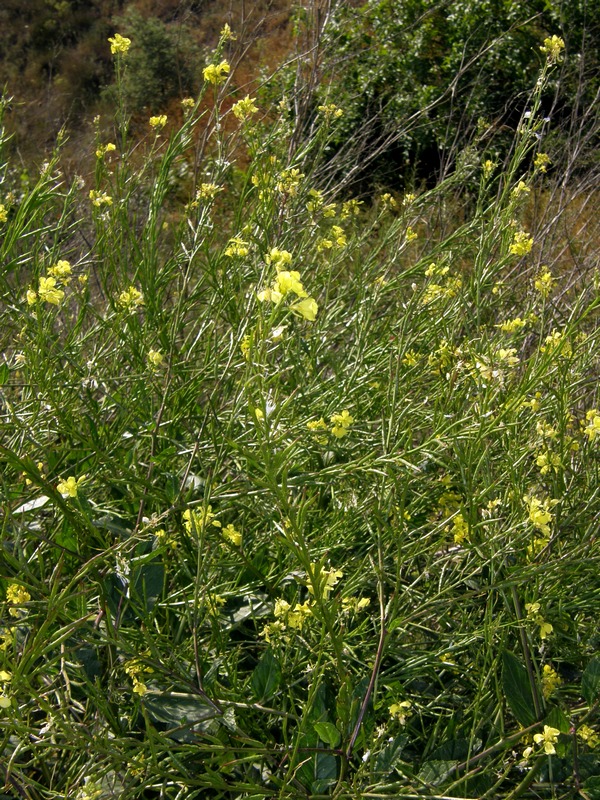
(291, 492)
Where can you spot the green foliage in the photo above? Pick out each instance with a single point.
(161, 64)
(301, 495)
(418, 79)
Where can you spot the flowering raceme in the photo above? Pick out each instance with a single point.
(119, 45)
(216, 73)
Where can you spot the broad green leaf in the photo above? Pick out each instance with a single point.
(326, 772)
(390, 755)
(590, 681)
(328, 733)
(4, 373)
(592, 787)
(182, 715)
(556, 718)
(435, 772)
(266, 676)
(517, 689)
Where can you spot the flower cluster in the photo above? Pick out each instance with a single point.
(521, 244)
(100, 199)
(399, 711)
(16, 595)
(131, 299)
(49, 287)
(158, 122)
(592, 429)
(287, 282)
(216, 73)
(70, 486)
(341, 423)
(103, 149)
(324, 580)
(551, 680)
(552, 48)
(548, 739)
(119, 45)
(244, 108)
(533, 613)
(136, 670)
(5, 677)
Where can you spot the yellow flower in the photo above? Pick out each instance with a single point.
(237, 247)
(331, 111)
(551, 680)
(552, 48)
(411, 235)
(521, 244)
(244, 109)
(556, 342)
(341, 423)
(460, 529)
(293, 617)
(245, 346)
(16, 595)
(588, 735)
(592, 429)
(539, 513)
(399, 711)
(216, 73)
(208, 191)
(158, 122)
(354, 604)
(287, 282)
(61, 271)
(119, 44)
(279, 258)
(139, 687)
(48, 292)
(488, 167)
(104, 149)
(232, 535)
(548, 738)
(227, 34)
(100, 199)
(131, 299)
(520, 188)
(547, 462)
(288, 182)
(196, 521)
(512, 325)
(351, 208)
(410, 359)
(326, 580)
(544, 282)
(69, 487)
(541, 161)
(507, 355)
(3, 213)
(155, 358)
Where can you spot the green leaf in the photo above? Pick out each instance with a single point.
(590, 681)
(556, 718)
(183, 715)
(592, 787)
(266, 676)
(390, 755)
(435, 772)
(328, 733)
(325, 772)
(147, 584)
(517, 689)
(4, 373)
